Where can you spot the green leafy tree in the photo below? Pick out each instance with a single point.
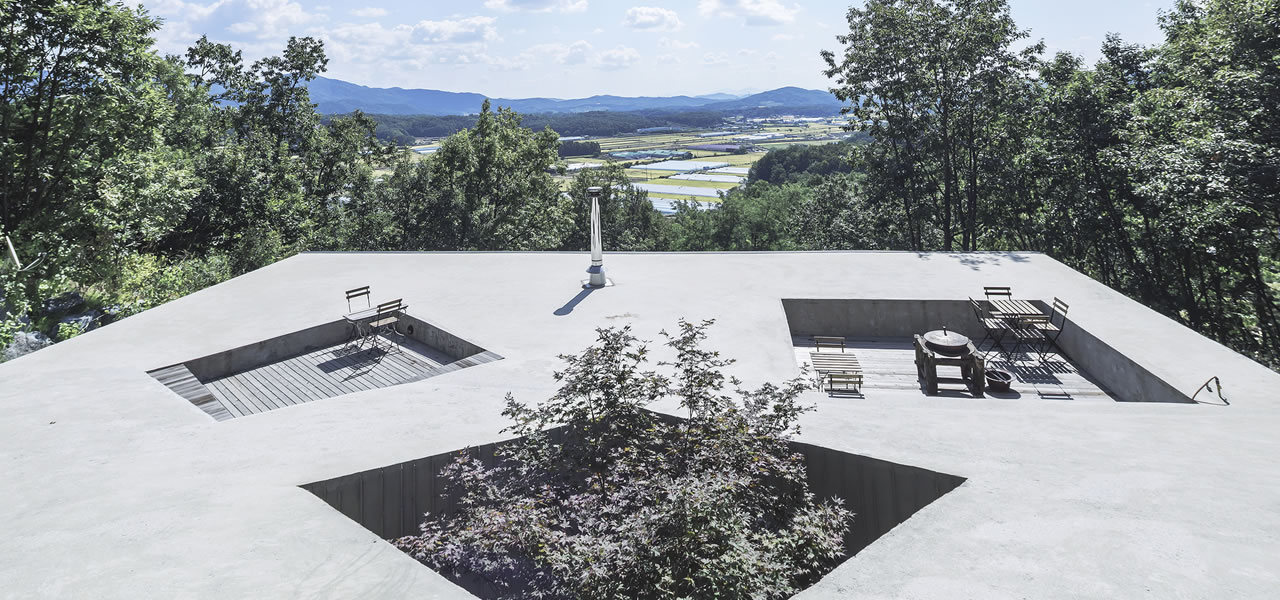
(274, 180)
(628, 220)
(600, 498)
(935, 84)
(487, 188)
(798, 163)
(759, 217)
(496, 183)
(77, 102)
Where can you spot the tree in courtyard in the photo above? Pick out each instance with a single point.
(601, 498)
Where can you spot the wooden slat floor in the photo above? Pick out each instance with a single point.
(179, 379)
(889, 364)
(330, 372)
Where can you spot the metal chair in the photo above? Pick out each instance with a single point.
(1000, 293)
(384, 322)
(357, 318)
(1051, 327)
(995, 328)
(1027, 334)
(360, 292)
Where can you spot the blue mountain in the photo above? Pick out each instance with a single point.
(334, 96)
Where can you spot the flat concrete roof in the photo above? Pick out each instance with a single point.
(115, 487)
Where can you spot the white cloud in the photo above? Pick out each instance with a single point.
(668, 59)
(715, 58)
(564, 6)
(369, 13)
(256, 27)
(575, 54)
(752, 12)
(620, 57)
(564, 54)
(265, 19)
(677, 44)
(652, 17)
(365, 47)
(455, 31)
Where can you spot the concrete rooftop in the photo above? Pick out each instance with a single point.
(115, 487)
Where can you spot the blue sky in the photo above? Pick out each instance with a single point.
(574, 48)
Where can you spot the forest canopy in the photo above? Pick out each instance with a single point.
(129, 178)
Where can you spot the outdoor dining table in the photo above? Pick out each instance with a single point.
(1015, 309)
(357, 320)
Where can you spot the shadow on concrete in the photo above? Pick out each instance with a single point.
(573, 302)
(977, 260)
(357, 360)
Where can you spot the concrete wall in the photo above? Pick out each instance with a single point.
(1125, 379)
(437, 338)
(880, 493)
(878, 317)
(227, 362)
(236, 360)
(392, 500)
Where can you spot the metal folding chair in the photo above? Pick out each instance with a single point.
(357, 318)
(994, 328)
(1000, 293)
(1051, 327)
(384, 322)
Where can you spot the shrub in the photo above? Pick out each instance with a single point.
(601, 498)
(148, 281)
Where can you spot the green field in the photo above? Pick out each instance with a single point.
(806, 134)
(687, 183)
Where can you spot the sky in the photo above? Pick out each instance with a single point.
(578, 48)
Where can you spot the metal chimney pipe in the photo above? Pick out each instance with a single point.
(597, 252)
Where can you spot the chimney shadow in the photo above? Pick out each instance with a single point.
(573, 302)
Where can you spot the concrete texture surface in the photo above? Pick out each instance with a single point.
(115, 487)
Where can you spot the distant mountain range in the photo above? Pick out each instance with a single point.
(334, 96)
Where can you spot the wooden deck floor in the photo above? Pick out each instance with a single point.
(889, 364)
(324, 373)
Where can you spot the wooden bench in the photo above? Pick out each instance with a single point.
(838, 371)
(828, 341)
(831, 362)
(844, 382)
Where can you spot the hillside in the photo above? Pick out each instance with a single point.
(334, 96)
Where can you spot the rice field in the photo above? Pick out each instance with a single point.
(719, 185)
(680, 191)
(704, 189)
(708, 178)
